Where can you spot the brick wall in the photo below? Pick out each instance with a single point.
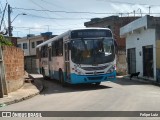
(115, 23)
(14, 67)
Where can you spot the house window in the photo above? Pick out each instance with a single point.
(19, 45)
(24, 45)
(33, 45)
(39, 42)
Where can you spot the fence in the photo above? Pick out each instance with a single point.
(30, 64)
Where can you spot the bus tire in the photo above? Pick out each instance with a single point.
(43, 73)
(61, 78)
(97, 83)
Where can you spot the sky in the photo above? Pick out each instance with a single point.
(58, 16)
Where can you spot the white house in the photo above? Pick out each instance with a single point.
(143, 46)
(28, 44)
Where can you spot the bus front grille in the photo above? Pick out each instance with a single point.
(94, 68)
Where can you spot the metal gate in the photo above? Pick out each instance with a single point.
(131, 59)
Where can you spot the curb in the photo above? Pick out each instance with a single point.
(21, 99)
(37, 83)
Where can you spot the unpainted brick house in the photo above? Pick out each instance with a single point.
(115, 23)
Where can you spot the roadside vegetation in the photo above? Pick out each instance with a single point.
(4, 41)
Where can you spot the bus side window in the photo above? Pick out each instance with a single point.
(42, 52)
(37, 53)
(53, 49)
(46, 51)
(56, 48)
(61, 47)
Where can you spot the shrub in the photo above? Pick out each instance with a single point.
(4, 41)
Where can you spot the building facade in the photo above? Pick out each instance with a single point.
(28, 44)
(143, 47)
(115, 23)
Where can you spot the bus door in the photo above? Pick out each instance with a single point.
(49, 61)
(67, 63)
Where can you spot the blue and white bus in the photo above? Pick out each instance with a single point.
(78, 56)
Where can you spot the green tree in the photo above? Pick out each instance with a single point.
(4, 41)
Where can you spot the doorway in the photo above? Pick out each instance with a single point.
(131, 58)
(148, 61)
(67, 63)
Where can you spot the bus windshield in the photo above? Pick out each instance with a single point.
(92, 51)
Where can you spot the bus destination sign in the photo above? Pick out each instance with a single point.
(91, 33)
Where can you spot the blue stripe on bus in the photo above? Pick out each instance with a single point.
(75, 79)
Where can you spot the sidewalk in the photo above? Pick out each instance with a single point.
(141, 79)
(31, 87)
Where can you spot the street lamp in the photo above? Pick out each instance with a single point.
(9, 20)
(140, 11)
(18, 15)
(10, 28)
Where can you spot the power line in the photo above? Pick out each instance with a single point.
(39, 6)
(130, 3)
(38, 10)
(62, 11)
(28, 27)
(38, 28)
(57, 18)
(58, 6)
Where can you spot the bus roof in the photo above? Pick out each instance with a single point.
(67, 32)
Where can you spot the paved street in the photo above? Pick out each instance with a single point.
(121, 95)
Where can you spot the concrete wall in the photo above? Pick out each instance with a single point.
(137, 39)
(14, 67)
(121, 63)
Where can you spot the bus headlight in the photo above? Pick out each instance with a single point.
(111, 69)
(77, 71)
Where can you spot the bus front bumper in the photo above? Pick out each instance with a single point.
(76, 79)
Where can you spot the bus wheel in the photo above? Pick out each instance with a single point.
(61, 78)
(97, 83)
(43, 73)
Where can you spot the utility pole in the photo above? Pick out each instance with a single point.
(1, 81)
(9, 21)
(3, 16)
(134, 12)
(149, 9)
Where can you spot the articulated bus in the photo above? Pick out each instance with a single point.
(78, 56)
